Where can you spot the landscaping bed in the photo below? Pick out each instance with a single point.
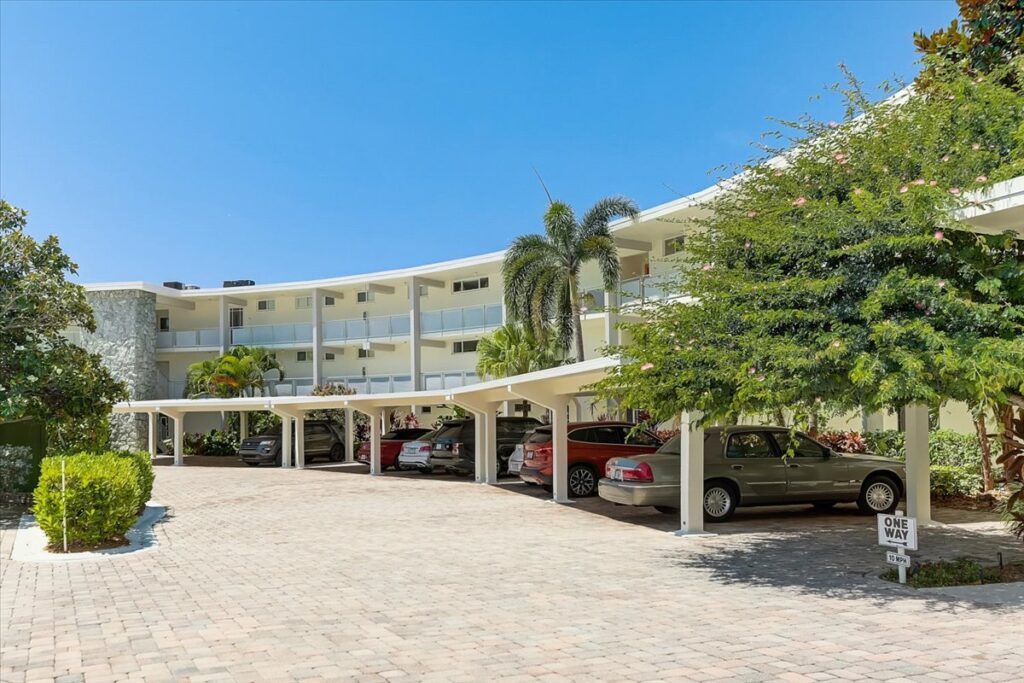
(962, 571)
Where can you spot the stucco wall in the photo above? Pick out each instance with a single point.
(126, 340)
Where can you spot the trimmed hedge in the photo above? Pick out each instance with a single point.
(143, 465)
(955, 458)
(102, 498)
(952, 480)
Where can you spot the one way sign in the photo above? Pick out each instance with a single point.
(897, 531)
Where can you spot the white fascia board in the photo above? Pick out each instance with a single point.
(1008, 194)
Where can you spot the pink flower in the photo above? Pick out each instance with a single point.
(903, 190)
(954, 190)
(982, 179)
(647, 366)
(709, 266)
(945, 158)
(799, 201)
(751, 370)
(975, 146)
(841, 158)
(939, 235)
(919, 181)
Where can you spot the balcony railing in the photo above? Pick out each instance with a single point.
(483, 317)
(435, 381)
(188, 339)
(375, 384)
(641, 290)
(174, 388)
(377, 327)
(273, 335)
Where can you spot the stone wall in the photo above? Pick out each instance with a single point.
(126, 340)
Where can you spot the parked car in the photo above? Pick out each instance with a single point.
(456, 444)
(415, 455)
(591, 446)
(323, 439)
(515, 460)
(744, 466)
(390, 446)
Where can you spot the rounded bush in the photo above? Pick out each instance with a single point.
(143, 465)
(101, 499)
(953, 480)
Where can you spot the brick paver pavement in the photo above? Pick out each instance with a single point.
(271, 575)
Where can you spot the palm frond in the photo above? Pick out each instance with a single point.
(601, 248)
(604, 211)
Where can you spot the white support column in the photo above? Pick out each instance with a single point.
(243, 424)
(318, 337)
(415, 351)
(918, 463)
(485, 425)
(225, 324)
(691, 475)
(350, 436)
(300, 440)
(286, 440)
(558, 404)
(376, 416)
(178, 420)
(480, 447)
(492, 464)
(154, 419)
(611, 317)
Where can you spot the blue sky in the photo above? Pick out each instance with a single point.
(201, 142)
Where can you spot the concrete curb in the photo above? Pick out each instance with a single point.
(30, 542)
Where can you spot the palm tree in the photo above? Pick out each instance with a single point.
(542, 272)
(237, 373)
(514, 349)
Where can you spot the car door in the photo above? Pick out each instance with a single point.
(318, 438)
(752, 461)
(812, 474)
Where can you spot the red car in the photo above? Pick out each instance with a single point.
(591, 446)
(390, 446)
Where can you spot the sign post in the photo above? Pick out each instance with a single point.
(899, 532)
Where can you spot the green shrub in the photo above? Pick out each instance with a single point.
(214, 442)
(951, 480)
(100, 499)
(144, 474)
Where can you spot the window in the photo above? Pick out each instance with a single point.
(328, 301)
(674, 244)
(609, 435)
(749, 445)
(317, 429)
(641, 438)
(366, 353)
(364, 297)
(235, 317)
(803, 446)
(470, 285)
(165, 324)
(303, 356)
(266, 305)
(329, 355)
(303, 302)
(467, 346)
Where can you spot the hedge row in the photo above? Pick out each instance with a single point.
(955, 458)
(101, 496)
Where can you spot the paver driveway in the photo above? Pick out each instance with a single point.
(263, 574)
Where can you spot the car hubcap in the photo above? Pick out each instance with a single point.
(880, 496)
(581, 482)
(716, 502)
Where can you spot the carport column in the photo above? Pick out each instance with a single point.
(376, 416)
(691, 475)
(153, 420)
(178, 418)
(243, 425)
(560, 441)
(918, 476)
(300, 440)
(286, 435)
(490, 444)
(350, 436)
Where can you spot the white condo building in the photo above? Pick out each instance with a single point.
(389, 331)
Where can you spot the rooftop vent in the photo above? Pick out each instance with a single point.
(174, 285)
(191, 287)
(239, 283)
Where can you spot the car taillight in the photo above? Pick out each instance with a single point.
(425, 448)
(641, 472)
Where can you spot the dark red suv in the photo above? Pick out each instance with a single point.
(591, 446)
(390, 446)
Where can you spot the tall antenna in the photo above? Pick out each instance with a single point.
(537, 173)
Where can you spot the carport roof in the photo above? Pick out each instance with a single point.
(564, 379)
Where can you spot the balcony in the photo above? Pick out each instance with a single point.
(188, 339)
(374, 384)
(174, 388)
(464, 319)
(435, 381)
(640, 290)
(376, 327)
(273, 335)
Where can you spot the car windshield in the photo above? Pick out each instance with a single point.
(540, 435)
(671, 446)
(450, 431)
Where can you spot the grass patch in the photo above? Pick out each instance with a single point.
(959, 572)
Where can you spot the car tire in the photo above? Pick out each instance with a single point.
(879, 495)
(251, 464)
(666, 510)
(824, 505)
(582, 481)
(337, 453)
(719, 502)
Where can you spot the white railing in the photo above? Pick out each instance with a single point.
(435, 381)
(482, 317)
(376, 327)
(374, 384)
(174, 388)
(188, 339)
(271, 335)
(640, 290)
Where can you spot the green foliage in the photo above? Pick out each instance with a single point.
(841, 277)
(514, 349)
(962, 571)
(337, 416)
(17, 467)
(100, 501)
(239, 372)
(214, 442)
(542, 272)
(42, 374)
(955, 480)
(945, 447)
(144, 475)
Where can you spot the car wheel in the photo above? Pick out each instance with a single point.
(251, 464)
(879, 495)
(337, 453)
(582, 481)
(719, 501)
(666, 510)
(824, 505)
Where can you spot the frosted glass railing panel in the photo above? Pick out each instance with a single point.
(459, 319)
(401, 383)
(430, 321)
(380, 385)
(433, 382)
(494, 315)
(268, 335)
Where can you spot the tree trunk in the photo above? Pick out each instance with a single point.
(986, 454)
(577, 323)
(812, 425)
(780, 418)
